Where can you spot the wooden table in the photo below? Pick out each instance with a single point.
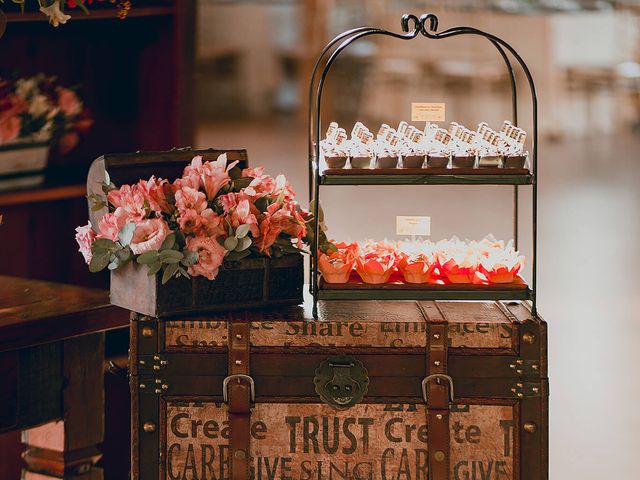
(51, 366)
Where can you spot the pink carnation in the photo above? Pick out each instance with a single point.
(111, 224)
(241, 215)
(188, 198)
(210, 256)
(212, 176)
(154, 193)
(85, 236)
(130, 200)
(253, 172)
(149, 235)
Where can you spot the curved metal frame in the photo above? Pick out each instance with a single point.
(419, 27)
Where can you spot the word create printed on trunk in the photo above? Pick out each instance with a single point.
(315, 442)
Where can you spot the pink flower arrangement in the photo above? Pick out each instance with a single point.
(37, 109)
(446, 262)
(188, 227)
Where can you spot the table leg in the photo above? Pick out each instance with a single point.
(68, 448)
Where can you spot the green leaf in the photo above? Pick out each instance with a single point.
(235, 255)
(99, 261)
(103, 244)
(147, 258)
(179, 236)
(262, 203)
(183, 272)
(124, 255)
(169, 271)
(242, 183)
(171, 256)
(169, 242)
(126, 233)
(243, 244)
(242, 231)
(154, 268)
(230, 243)
(235, 173)
(190, 258)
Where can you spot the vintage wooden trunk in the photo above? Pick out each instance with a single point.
(373, 390)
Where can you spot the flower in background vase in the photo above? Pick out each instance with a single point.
(336, 266)
(149, 235)
(56, 16)
(210, 256)
(130, 199)
(85, 236)
(9, 128)
(68, 101)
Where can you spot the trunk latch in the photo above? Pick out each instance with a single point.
(341, 382)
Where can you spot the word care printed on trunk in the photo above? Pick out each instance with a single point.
(314, 442)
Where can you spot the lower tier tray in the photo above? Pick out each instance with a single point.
(358, 290)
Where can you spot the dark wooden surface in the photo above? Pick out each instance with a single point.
(34, 312)
(51, 360)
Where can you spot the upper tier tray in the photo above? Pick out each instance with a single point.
(358, 290)
(426, 176)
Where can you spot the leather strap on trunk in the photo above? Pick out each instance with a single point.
(438, 391)
(239, 390)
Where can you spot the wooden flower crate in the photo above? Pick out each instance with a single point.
(251, 282)
(248, 283)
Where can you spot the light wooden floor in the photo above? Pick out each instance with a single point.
(589, 291)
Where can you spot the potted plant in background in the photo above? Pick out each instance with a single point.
(37, 113)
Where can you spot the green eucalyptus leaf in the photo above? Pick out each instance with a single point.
(104, 244)
(124, 255)
(147, 258)
(126, 233)
(230, 243)
(183, 272)
(243, 244)
(235, 255)
(169, 271)
(154, 268)
(171, 256)
(169, 242)
(99, 261)
(242, 231)
(190, 258)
